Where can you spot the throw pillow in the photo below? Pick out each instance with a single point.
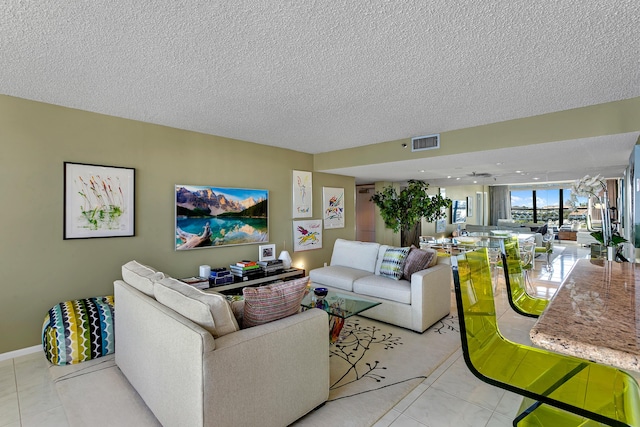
(393, 262)
(209, 310)
(141, 276)
(272, 302)
(417, 260)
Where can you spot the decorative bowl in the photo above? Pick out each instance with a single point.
(321, 292)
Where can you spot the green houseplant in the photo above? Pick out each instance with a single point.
(402, 211)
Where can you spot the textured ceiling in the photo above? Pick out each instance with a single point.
(323, 75)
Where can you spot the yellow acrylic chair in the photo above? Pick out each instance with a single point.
(515, 280)
(558, 390)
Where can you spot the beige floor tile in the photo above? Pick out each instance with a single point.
(9, 409)
(54, 417)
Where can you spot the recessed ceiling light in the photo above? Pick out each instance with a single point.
(475, 182)
(458, 179)
(448, 176)
(536, 178)
(518, 171)
(421, 171)
(499, 163)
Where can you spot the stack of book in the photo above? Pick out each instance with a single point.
(271, 267)
(197, 282)
(245, 269)
(220, 276)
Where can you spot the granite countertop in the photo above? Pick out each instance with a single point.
(593, 315)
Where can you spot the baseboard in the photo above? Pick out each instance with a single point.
(21, 352)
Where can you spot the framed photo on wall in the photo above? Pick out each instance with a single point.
(333, 207)
(99, 201)
(208, 216)
(307, 235)
(302, 194)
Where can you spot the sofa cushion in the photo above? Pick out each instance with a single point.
(354, 254)
(272, 302)
(141, 276)
(393, 262)
(336, 276)
(381, 251)
(385, 288)
(417, 260)
(209, 310)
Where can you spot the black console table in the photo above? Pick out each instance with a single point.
(261, 279)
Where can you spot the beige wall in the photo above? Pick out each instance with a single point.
(40, 269)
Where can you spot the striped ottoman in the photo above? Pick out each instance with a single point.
(79, 330)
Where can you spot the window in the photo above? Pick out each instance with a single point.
(550, 205)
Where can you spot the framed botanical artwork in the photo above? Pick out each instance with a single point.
(302, 194)
(208, 216)
(267, 252)
(333, 207)
(307, 235)
(99, 201)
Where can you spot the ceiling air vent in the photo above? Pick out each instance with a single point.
(428, 142)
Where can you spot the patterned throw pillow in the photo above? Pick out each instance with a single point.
(417, 260)
(268, 303)
(393, 262)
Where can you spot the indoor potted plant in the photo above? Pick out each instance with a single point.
(402, 211)
(596, 188)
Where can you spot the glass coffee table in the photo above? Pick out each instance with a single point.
(339, 306)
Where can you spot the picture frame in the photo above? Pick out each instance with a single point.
(99, 201)
(302, 194)
(469, 207)
(267, 252)
(208, 216)
(459, 212)
(333, 207)
(307, 235)
(441, 225)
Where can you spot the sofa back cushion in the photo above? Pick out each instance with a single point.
(265, 304)
(209, 310)
(354, 254)
(141, 276)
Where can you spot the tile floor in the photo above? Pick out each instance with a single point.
(452, 396)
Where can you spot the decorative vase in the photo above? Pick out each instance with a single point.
(598, 251)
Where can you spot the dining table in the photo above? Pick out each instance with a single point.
(595, 315)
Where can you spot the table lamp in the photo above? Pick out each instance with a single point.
(285, 258)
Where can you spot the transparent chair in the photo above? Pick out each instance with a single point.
(527, 260)
(547, 249)
(558, 390)
(515, 280)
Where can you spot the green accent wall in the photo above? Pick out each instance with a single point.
(40, 269)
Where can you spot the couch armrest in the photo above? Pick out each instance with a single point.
(268, 375)
(431, 294)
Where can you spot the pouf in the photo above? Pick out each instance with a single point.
(79, 330)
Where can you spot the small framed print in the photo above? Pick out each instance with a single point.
(267, 252)
(307, 235)
(98, 201)
(302, 194)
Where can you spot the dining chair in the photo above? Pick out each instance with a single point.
(527, 260)
(515, 280)
(558, 390)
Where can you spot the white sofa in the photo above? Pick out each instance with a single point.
(415, 304)
(267, 375)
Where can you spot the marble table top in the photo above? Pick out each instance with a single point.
(595, 315)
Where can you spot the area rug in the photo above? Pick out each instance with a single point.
(376, 365)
